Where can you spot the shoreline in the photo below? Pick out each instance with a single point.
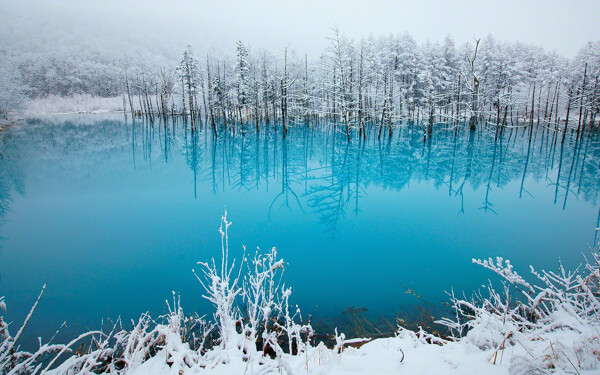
(253, 327)
(404, 351)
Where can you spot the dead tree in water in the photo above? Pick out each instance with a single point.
(167, 85)
(129, 96)
(339, 57)
(384, 107)
(474, 89)
(595, 104)
(457, 106)
(265, 89)
(531, 119)
(284, 94)
(242, 81)
(305, 98)
(203, 88)
(390, 103)
(189, 72)
(581, 100)
(361, 123)
(210, 97)
(284, 85)
(567, 119)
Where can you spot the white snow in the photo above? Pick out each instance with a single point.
(81, 103)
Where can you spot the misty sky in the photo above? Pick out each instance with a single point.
(303, 25)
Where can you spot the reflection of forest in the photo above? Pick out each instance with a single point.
(11, 173)
(316, 170)
(328, 174)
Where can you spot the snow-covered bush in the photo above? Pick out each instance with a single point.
(178, 340)
(252, 314)
(14, 361)
(554, 321)
(252, 326)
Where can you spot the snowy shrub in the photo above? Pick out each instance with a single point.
(257, 334)
(180, 339)
(554, 320)
(15, 361)
(253, 325)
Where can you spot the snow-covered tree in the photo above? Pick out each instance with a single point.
(12, 90)
(188, 73)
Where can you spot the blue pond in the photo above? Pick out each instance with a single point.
(115, 215)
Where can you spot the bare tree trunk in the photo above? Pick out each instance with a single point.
(531, 119)
(390, 104)
(556, 115)
(203, 95)
(567, 119)
(360, 98)
(284, 89)
(475, 92)
(182, 97)
(581, 101)
(265, 90)
(381, 124)
(457, 106)
(124, 106)
(475, 108)
(129, 96)
(210, 98)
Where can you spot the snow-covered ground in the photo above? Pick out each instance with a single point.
(403, 354)
(82, 103)
(551, 326)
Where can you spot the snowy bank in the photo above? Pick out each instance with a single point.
(80, 103)
(550, 326)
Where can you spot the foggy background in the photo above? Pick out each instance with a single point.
(164, 28)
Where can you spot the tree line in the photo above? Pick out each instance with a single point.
(375, 83)
(378, 82)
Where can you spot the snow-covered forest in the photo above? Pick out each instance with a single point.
(374, 82)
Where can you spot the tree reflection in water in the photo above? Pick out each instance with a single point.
(320, 170)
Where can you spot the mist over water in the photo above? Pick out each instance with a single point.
(115, 215)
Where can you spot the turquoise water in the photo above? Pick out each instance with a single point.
(114, 216)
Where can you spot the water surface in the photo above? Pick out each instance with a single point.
(115, 215)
